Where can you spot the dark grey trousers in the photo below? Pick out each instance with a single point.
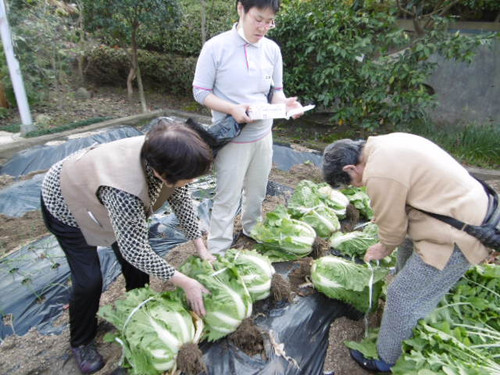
(414, 294)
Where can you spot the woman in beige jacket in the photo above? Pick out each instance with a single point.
(403, 173)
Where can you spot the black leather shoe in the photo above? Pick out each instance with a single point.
(374, 365)
(88, 358)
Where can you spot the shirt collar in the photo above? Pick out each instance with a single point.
(241, 35)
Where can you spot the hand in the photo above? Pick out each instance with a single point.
(240, 113)
(377, 252)
(203, 252)
(292, 103)
(207, 255)
(194, 291)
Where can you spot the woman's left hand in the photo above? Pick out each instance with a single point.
(377, 252)
(292, 103)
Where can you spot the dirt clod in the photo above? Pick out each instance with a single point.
(352, 218)
(248, 337)
(190, 360)
(280, 288)
(300, 276)
(320, 248)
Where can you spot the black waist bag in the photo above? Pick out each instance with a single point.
(218, 134)
(489, 231)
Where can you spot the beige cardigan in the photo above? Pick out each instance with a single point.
(404, 171)
(116, 164)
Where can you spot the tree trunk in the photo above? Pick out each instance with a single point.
(203, 22)
(130, 79)
(133, 65)
(4, 103)
(81, 42)
(144, 105)
(417, 26)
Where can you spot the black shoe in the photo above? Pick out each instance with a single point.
(88, 358)
(236, 237)
(375, 365)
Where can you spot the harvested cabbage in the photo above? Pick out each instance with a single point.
(282, 238)
(255, 270)
(308, 194)
(347, 281)
(152, 327)
(353, 244)
(359, 199)
(323, 219)
(229, 301)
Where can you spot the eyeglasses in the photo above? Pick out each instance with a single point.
(267, 24)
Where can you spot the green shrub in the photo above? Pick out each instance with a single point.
(43, 40)
(165, 72)
(359, 65)
(185, 39)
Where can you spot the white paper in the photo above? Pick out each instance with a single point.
(265, 111)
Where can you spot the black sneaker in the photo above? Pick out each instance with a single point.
(88, 358)
(374, 365)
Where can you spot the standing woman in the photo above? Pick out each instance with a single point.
(236, 69)
(103, 196)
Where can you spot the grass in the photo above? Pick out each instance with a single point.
(16, 128)
(471, 144)
(73, 125)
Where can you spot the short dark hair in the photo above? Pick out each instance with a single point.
(176, 152)
(260, 4)
(336, 156)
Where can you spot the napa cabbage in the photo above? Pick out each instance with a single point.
(255, 270)
(353, 244)
(308, 194)
(229, 301)
(359, 199)
(334, 199)
(322, 218)
(151, 327)
(283, 238)
(349, 282)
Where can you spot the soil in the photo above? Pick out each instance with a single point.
(35, 353)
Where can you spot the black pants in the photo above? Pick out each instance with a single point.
(86, 278)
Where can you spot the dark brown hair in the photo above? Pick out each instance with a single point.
(176, 152)
(260, 4)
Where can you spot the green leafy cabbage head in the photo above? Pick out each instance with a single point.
(229, 301)
(151, 327)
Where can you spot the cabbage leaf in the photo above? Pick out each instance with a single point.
(308, 194)
(359, 199)
(229, 301)
(152, 327)
(353, 244)
(282, 238)
(347, 281)
(255, 270)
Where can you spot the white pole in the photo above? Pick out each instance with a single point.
(15, 73)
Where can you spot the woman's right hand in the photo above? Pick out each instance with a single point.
(240, 113)
(194, 291)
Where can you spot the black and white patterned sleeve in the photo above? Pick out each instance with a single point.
(130, 225)
(182, 205)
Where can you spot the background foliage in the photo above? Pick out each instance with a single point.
(347, 56)
(164, 72)
(358, 64)
(44, 40)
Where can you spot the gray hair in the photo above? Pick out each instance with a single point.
(336, 156)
